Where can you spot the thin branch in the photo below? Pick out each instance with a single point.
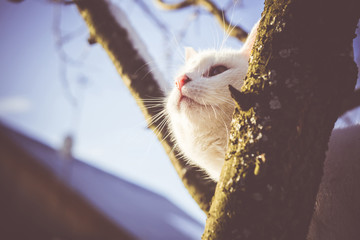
(142, 84)
(219, 15)
(233, 3)
(64, 58)
(64, 2)
(175, 6)
(153, 17)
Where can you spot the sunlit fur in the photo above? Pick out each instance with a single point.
(200, 122)
(200, 125)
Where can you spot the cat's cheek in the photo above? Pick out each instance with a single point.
(173, 99)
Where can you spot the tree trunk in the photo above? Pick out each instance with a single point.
(300, 71)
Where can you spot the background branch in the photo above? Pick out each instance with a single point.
(175, 6)
(232, 30)
(142, 84)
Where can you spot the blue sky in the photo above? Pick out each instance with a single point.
(107, 124)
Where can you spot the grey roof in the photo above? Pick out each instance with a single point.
(143, 213)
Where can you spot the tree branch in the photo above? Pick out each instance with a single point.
(16, 1)
(232, 30)
(64, 2)
(134, 71)
(175, 6)
(274, 161)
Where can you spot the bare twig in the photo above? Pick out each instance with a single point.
(64, 2)
(64, 58)
(153, 17)
(234, 31)
(175, 6)
(16, 1)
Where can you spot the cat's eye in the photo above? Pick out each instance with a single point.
(215, 70)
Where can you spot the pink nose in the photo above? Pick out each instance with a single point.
(181, 81)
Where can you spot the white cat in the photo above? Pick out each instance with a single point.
(200, 109)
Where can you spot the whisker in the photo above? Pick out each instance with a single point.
(214, 110)
(153, 119)
(230, 28)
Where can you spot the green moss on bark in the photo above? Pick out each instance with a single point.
(298, 76)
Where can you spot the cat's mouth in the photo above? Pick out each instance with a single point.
(187, 101)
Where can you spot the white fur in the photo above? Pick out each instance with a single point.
(200, 126)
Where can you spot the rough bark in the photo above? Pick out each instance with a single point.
(299, 73)
(135, 73)
(351, 102)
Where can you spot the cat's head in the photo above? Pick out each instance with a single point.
(200, 106)
(201, 87)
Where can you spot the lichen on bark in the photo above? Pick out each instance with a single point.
(299, 74)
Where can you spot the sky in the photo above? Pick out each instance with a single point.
(48, 98)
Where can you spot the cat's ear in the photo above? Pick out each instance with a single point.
(189, 53)
(249, 43)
